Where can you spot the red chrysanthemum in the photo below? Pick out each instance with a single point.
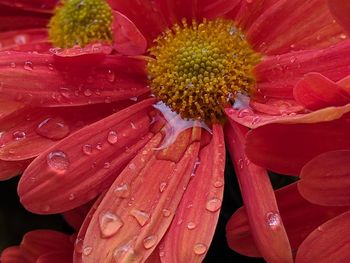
(87, 116)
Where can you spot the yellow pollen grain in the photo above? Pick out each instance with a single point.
(81, 22)
(198, 69)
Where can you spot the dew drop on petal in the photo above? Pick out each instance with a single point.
(112, 137)
(122, 191)
(273, 219)
(162, 187)
(140, 216)
(78, 246)
(109, 224)
(150, 241)
(213, 204)
(244, 112)
(87, 149)
(191, 225)
(166, 212)
(28, 65)
(107, 165)
(99, 146)
(19, 135)
(58, 160)
(87, 250)
(199, 249)
(54, 128)
(71, 197)
(110, 75)
(124, 253)
(219, 183)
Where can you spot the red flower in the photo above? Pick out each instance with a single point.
(114, 139)
(315, 210)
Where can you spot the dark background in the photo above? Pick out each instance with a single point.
(15, 221)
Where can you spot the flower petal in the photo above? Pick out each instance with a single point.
(277, 75)
(340, 10)
(327, 243)
(28, 132)
(325, 180)
(13, 255)
(314, 91)
(55, 257)
(78, 168)
(11, 169)
(299, 217)
(296, 25)
(44, 6)
(15, 39)
(266, 145)
(193, 226)
(259, 199)
(128, 39)
(47, 80)
(129, 225)
(213, 9)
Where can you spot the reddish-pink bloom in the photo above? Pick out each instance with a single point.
(86, 117)
(315, 210)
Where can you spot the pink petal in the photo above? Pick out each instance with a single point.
(340, 9)
(300, 218)
(213, 9)
(44, 79)
(15, 39)
(328, 243)
(13, 255)
(286, 148)
(259, 199)
(11, 169)
(44, 6)
(325, 180)
(78, 168)
(314, 91)
(128, 39)
(30, 131)
(136, 211)
(296, 25)
(55, 257)
(193, 226)
(277, 75)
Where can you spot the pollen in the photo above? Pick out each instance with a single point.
(197, 69)
(81, 22)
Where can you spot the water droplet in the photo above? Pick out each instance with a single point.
(71, 197)
(133, 126)
(99, 146)
(109, 223)
(110, 76)
(150, 241)
(87, 149)
(140, 216)
(78, 246)
(107, 165)
(87, 92)
(50, 66)
(273, 219)
(244, 112)
(199, 249)
(122, 191)
(54, 128)
(219, 183)
(134, 98)
(19, 135)
(124, 253)
(28, 65)
(112, 137)
(162, 187)
(58, 160)
(12, 64)
(213, 204)
(195, 167)
(166, 212)
(191, 225)
(87, 250)
(241, 163)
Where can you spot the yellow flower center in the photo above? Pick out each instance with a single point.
(198, 69)
(81, 22)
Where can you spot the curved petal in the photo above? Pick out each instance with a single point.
(128, 39)
(78, 168)
(28, 132)
(11, 169)
(259, 199)
(286, 148)
(299, 217)
(193, 226)
(340, 10)
(325, 180)
(13, 255)
(213, 9)
(328, 243)
(42, 6)
(314, 92)
(55, 257)
(297, 25)
(277, 75)
(133, 217)
(48, 80)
